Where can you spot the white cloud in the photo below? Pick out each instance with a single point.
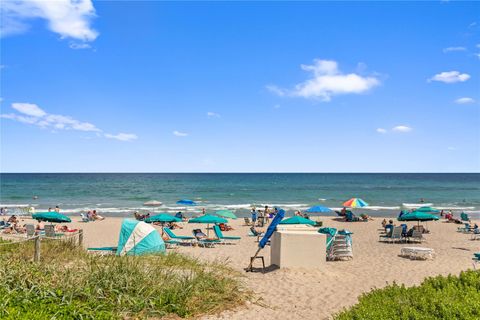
(453, 49)
(29, 109)
(122, 136)
(402, 129)
(327, 81)
(450, 77)
(464, 100)
(213, 115)
(180, 134)
(69, 18)
(32, 114)
(75, 45)
(381, 130)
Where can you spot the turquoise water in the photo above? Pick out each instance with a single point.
(122, 193)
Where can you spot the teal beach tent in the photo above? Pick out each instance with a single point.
(138, 238)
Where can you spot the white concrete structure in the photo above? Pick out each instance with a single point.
(299, 246)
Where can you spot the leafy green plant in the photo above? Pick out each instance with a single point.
(70, 283)
(451, 297)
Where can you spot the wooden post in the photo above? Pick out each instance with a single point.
(36, 256)
(80, 237)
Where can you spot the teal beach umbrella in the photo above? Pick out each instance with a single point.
(51, 217)
(417, 216)
(226, 213)
(207, 218)
(297, 220)
(427, 210)
(162, 217)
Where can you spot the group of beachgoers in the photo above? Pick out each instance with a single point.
(13, 225)
(91, 215)
(261, 217)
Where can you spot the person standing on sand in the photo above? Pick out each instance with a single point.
(57, 209)
(254, 215)
(266, 214)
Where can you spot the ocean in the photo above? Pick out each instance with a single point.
(119, 194)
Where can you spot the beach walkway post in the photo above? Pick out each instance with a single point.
(36, 254)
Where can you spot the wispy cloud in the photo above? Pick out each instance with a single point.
(180, 134)
(122, 136)
(402, 129)
(213, 115)
(68, 18)
(454, 49)
(77, 46)
(327, 81)
(450, 77)
(29, 113)
(381, 130)
(464, 100)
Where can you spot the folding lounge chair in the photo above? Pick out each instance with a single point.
(221, 237)
(30, 230)
(207, 243)
(173, 236)
(396, 235)
(417, 236)
(50, 231)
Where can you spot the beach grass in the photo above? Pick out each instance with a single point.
(440, 297)
(70, 283)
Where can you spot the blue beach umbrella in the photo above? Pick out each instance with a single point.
(187, 202)
(318, 209)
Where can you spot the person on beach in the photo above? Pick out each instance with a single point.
(96, 216)
(254, 216)
(40, 226)
(204, 211)
(13, 219)
(344, 211)
(266, 214)
(57, 209)
(49, 209)
(384, 223)
(389, 226)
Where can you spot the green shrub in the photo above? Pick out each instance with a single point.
(451, 297)
(70, 283)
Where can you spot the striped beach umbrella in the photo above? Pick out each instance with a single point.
(355, 203)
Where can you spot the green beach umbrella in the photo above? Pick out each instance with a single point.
(226, 213)
(207, 218)
(297, 220)
(417, 216)
(51, 217)
(162, 218)
(427, 210)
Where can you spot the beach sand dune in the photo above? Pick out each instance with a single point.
(318, 293)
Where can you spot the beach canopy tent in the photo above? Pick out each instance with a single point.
(208, 219)
(187, 202)
(355, 203)
(427, 209)
(318, 209)
(152, 203)
(226, 214)
(297, 220)
(51, 217)
(139, 238)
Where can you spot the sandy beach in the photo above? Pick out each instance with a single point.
(318, 293)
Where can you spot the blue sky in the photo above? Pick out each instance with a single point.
(240, 87)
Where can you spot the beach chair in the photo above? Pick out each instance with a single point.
(84, 217)
(30, 230)
(465, 229)
(340, 247)
(223, 238)
(204, 242)
(417, 236)
(350, 217)
(476, 234)
(50, 231)
(247, 221)
(174, 237)
(395, 235)
(464, 216)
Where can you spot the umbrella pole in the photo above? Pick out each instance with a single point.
(252, 259)
(208, 230)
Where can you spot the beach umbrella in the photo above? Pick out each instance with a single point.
(355, 203)
(417, 216)
(162, 218)
(318, 209)
(51, 217)
(427, 209)
(152, 203)
(187, 202)
(208, 219)
(297, 220)
(226, 213)
(268, 234)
